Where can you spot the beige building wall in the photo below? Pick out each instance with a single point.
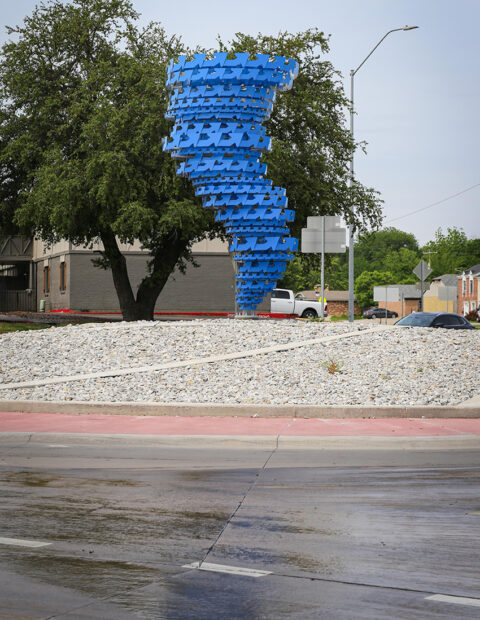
(207, 288)
(431, 302)
(41, 250)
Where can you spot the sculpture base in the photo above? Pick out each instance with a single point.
(247, 314)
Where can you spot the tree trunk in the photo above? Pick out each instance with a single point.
(141, 308)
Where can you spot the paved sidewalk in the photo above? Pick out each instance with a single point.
(15, 422)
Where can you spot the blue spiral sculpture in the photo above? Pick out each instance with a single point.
(218, 105)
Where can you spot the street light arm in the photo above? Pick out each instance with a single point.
(351, 274)
(352, 72)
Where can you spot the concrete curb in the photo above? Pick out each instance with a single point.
(267, 442)
(229, 410)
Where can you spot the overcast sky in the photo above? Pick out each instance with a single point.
(417, 98)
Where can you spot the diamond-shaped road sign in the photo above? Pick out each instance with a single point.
(422, 270)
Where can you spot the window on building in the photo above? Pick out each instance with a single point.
(464, 285)
(46, 279)
(63, 276)
(472, 305)
(471, 285)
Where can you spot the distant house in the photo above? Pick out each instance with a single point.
(469, 290)
(337, 301)
(408, 295)
(439, 297)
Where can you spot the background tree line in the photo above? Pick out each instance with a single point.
(385, 257)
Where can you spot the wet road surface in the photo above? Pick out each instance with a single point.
(343, 534)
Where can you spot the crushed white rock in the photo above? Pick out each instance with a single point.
(400, 366)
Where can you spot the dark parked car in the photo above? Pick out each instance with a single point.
(379, 313)
(448, 320)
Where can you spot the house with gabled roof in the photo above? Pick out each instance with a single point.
(469, 290)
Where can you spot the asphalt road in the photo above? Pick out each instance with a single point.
(342, 533)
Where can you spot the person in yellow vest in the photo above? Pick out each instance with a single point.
(319, 299)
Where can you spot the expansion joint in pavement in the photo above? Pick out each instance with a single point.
(242, 501)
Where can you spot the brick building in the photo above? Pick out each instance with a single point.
(469, 290)
(337, 301)
(408, 296)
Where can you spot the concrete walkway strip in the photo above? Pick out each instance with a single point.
(194, 361)
(471, 402)
(230, 570)
(18, 542)
(457, 600)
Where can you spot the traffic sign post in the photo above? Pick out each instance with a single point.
(323, 234)
(422, 271)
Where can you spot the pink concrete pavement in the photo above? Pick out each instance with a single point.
(215, 426)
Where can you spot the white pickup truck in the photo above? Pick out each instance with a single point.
(284, 301)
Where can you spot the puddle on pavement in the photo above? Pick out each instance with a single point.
(275, 526)
(34, 479)
(98, 578)
(310, 564)
(264, 559)
(204, 474)
(103, 522)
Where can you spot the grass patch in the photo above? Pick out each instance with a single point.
(6, 328)
(344, 317)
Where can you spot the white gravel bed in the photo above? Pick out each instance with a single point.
(401, 366)
(90, 348)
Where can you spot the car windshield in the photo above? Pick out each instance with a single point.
(416, 320)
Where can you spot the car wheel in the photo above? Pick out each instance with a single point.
(309, 313)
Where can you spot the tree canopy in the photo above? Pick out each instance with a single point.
(82, 105)
(311, 146)
(366, 281)
(452, 252)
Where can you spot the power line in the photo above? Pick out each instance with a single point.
(434, 204)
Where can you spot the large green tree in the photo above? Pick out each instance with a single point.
(365, 283)
(452, 251)
(83, 110)
(81, 127)
(388, 249)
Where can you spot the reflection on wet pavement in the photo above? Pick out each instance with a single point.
(341, 541)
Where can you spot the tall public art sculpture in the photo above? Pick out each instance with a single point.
(218, 105)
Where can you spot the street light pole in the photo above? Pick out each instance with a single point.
(350, 227)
